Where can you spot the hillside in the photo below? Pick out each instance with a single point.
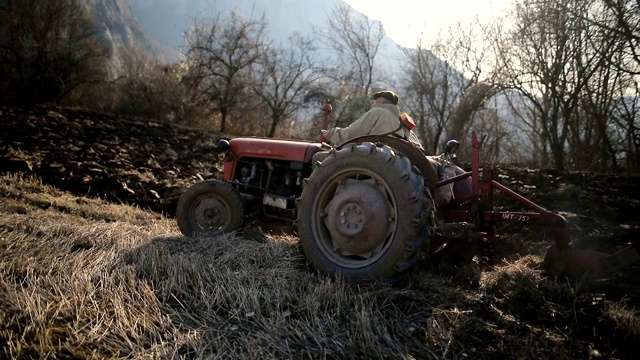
(76, 258)
(136, 161)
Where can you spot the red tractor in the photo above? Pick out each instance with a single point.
(365, 209)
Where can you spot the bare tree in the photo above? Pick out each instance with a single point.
(612, 30)
(283, 77)
(354, 41)
(621, 19)
(219, 52)
(610, 102)
(432, 91)
(442, 86)
(545, 57)
(626, 118)
(47, 49)
(150, 88)
(590, 130)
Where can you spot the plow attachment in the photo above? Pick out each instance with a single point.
(561, 259)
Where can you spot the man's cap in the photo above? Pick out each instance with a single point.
(387, 94)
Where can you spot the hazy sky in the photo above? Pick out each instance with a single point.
(404, 20)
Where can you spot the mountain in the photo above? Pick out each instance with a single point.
(160, 25)
(168, 20)
(118, 27)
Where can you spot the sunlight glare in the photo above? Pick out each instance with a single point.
(406, 21)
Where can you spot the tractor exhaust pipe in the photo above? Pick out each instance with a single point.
(326, 109)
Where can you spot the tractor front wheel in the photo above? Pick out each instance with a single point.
(210, 208)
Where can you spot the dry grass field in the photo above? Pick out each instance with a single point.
(83, 278)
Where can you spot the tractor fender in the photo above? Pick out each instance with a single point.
(414, 154)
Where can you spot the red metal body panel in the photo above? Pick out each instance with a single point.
(268, 148)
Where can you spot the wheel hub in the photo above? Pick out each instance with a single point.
(351, 219)
(210, 214)
(358, 218)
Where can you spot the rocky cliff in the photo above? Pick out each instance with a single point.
(120, 29)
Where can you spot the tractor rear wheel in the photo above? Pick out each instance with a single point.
(364, 214)
(210, 208)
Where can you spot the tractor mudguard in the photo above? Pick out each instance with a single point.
(416, 156)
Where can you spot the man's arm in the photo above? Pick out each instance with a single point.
(360, 127)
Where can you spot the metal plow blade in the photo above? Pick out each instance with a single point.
(586, 266)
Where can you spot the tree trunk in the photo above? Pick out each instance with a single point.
(223, 120)
(272, 131)
(558, 156)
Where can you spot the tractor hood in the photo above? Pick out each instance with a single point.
(277, 149)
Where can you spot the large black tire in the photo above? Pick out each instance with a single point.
(364, 214)
(210, 208)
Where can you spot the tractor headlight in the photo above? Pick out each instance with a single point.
(223, 146)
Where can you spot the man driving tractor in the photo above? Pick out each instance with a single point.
(384, 118)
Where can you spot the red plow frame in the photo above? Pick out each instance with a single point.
(561, 259)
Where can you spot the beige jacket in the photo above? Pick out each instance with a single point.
(382, 119)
